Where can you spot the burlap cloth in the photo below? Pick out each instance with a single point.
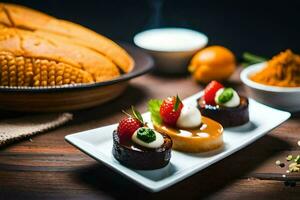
(13, 129)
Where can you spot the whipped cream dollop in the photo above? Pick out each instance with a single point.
(158, 142)
(190, 117)
(233, 102)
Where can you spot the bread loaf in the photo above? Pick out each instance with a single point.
(53, 51)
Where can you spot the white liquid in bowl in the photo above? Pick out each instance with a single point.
(170, 39)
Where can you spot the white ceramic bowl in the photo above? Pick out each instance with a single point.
(285, 98)
(171, 48)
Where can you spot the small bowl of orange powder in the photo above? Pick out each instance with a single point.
(275, 83)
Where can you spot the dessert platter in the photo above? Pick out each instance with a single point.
(177, 139)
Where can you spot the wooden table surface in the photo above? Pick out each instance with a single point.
(48, 167)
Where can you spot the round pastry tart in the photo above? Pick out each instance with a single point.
(224, 105)
(190, 132)
(137, 146)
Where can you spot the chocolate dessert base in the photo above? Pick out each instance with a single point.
(138, 157)
(228, 117)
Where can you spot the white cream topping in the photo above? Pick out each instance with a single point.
(233, 102)
(155, 144)
(190, 117)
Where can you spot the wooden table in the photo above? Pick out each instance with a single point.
(48, 167)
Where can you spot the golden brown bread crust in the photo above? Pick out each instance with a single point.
(28, 44)
(23, 71)
(25, 18)
(39, 50)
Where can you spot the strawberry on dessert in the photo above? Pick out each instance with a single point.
(210, 92)
(137, 146)
(190, 132)
(174, 113)
(170, 110)
(127, 127)
(224, 105)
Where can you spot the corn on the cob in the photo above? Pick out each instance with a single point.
(22, 71)
(41, 23)
(40, 50)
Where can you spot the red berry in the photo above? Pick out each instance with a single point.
(210, 92)
(167, 111)
(127, 127)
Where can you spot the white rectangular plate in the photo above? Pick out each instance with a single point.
(97, 143)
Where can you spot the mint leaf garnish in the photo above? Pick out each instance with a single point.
(177, 103)
(146, 135)
(154, 107)
(137, 114)
(226, 95)
(297, 159)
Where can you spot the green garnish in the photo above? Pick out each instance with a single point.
(289, 157)
(253, 58)
(146, 135)
(137, 114)
(297, 159)
(250, 59)
(225, 96)
(177, 103)
(154, 107)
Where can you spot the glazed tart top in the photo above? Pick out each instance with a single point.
(209, 129)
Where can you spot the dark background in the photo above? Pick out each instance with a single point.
(261, 27)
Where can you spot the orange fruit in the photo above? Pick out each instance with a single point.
(212, 63)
